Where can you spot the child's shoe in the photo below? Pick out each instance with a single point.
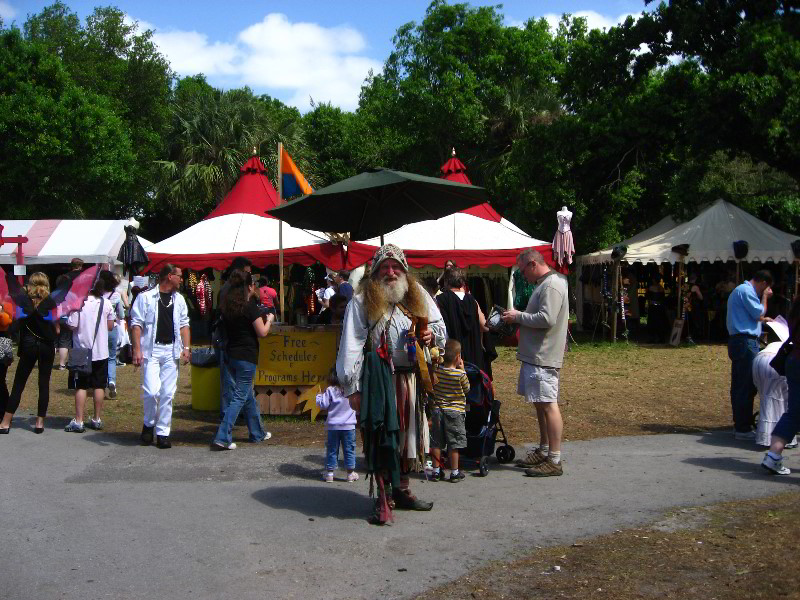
(352, 476)
(328, 477)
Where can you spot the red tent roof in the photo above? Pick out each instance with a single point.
(454, 170)
(252, 193)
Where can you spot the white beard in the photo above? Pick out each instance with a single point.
(396, 290)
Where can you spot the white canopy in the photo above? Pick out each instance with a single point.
(234, 234)
(459, 231)
(57, 241)
(710, 236)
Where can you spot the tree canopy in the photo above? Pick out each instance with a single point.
(689, 101)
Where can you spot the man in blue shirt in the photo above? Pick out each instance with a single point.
(343, 287)
(747, 306)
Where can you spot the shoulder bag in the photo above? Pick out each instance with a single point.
(80, 359)
(779, 360)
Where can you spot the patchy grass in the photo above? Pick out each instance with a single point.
(606, 390)
(733, 551)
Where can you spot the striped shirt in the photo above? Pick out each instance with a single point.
(450, 391)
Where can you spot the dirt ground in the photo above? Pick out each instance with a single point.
(733, 551)
(606, 390)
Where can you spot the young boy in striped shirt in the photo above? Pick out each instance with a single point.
(450, 401)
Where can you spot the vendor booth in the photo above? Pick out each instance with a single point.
(299, 357)
(722, 236)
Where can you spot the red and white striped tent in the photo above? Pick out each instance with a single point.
(58, 241)
(240, 226)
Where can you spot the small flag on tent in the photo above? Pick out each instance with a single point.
(293, 182)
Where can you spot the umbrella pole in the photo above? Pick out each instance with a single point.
(280, 234)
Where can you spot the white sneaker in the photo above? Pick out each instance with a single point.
(218, 446)
(328, 477)
(351, 477)
(74, 427)
(745, 436)
(792, 444)
(774, 466)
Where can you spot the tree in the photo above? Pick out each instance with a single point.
(65, 154)
(109, 57)
(212, 134)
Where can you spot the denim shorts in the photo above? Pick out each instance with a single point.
(538, 384)
(448, 429)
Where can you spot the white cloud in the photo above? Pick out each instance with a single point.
(594, 20)
(7, 12)
(293, 61)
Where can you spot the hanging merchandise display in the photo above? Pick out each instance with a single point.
(202, 292)
(563, 244)
(192, 281)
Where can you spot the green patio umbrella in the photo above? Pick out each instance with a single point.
(378, 201)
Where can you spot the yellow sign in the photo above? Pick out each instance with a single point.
(296, 358)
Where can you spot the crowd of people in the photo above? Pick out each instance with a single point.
(377, 384)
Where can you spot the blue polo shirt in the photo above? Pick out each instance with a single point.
(744, 310)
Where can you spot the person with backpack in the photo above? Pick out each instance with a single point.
(88, 362)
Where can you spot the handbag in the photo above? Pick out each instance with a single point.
(778, 362)
(6, 351)
(79, 360)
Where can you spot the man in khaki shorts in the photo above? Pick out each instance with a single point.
(542, 340)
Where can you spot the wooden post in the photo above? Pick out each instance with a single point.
(614, 301)
(280, 235)
(796, 275)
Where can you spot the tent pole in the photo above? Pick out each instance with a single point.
(614, 299)
(679, 289)
(280, 235)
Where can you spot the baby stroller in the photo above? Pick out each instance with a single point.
(483, 426)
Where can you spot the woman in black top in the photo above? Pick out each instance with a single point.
(244, 324)
(37, 343)
(463, 318)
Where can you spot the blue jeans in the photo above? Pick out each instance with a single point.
(225, 383)
(742, 350)
(113, 335)
(789, 423)
(348, 441)
(242, 398)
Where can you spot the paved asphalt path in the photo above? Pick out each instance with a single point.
(96, 516)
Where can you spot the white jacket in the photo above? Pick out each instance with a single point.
(144, 314)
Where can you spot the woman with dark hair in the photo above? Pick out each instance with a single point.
(90, 326)
(110, 282)
(37, 338)
(463, 317)
(789, 423)
(244, 324)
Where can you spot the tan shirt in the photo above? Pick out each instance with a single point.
(543, 325)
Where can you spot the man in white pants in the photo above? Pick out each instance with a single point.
(160, 337)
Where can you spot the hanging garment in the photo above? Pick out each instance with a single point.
(563, 244)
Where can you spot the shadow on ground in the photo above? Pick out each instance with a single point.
(332, 501)
(750, 470)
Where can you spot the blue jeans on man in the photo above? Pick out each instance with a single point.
(789, 423)
(347, 439)
(113, 337)
(742, 350)
(242, 400)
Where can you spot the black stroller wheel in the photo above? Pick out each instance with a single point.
(504, 454)
(483, 466)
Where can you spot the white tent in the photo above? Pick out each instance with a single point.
(58, 241)
(710, 236)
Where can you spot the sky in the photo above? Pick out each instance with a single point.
(296, 50)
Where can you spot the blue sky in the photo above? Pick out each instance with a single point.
(294, 50)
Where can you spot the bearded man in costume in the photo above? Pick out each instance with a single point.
(377, 368)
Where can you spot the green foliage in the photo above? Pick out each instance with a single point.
(65, 153)
(660, 114)
(112, 59)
